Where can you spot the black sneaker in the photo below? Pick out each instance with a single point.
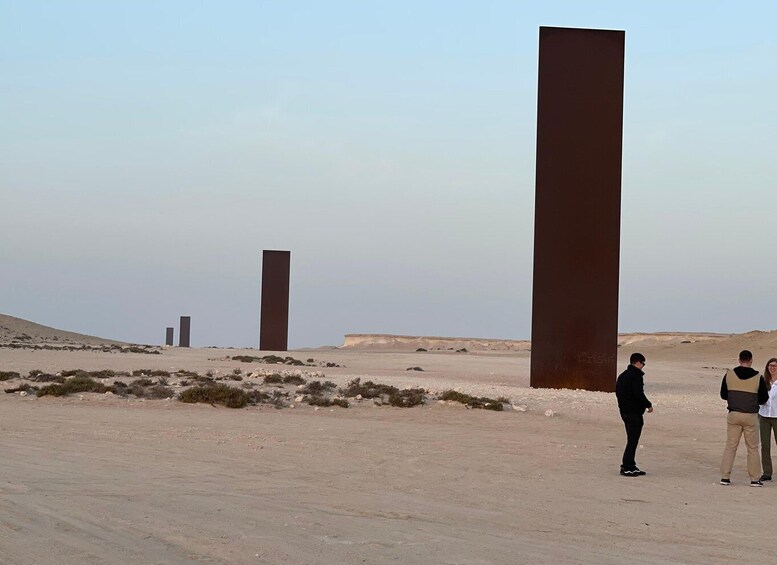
(628, 473)
(638, 471)
(765, 478)
(756, 484)
(725, 482)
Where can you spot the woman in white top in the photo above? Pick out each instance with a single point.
(767, 417)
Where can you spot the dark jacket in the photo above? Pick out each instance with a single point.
(742, 401)
(629, 389)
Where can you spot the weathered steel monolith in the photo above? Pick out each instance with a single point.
(169, 336)
(184, 331)
(274, 323)
(577, 213)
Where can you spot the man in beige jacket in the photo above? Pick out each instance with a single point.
(744, 389)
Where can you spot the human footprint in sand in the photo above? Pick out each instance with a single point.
(632, 403)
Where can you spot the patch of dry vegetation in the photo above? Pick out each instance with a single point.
(473, 401)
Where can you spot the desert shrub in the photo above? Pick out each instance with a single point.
(246, 358)
(142, 382)
(279, 398)
(24, 387)
(159, 391)
(204, 380)
(47, 378)
(34, 373)
(414, 369)
(329, 364)
(407, 398)
(216, 394)
(8, 375)
(271, 359)
(186, 373)
(136, 349)
(317, 387)
(104, 374)
(311, 360)
(293, 380)
(150, 373)
(323, 401)
(420, 349)
(273, 379)
(368, 389)
(73, 385)
(258, 397)
(472, 401)
(462, 350)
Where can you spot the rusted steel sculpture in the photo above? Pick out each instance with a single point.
(169, 333)
(274, 323)
(184, 333)
(577, 210)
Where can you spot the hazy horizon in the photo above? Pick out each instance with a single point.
(151, 152)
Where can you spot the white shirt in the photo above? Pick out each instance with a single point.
(769, 409)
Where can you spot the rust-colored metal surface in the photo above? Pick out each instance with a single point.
(274, 323)
(184, 333)
(169, 336)
(577, 209)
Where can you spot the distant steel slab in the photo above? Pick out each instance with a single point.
(184, 333)
(274, 322)
(577, 213)
(169, 336)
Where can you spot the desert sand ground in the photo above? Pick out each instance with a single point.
(101, 479)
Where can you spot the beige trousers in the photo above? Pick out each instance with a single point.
(740, 424)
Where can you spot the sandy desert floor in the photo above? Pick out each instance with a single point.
(102, 479)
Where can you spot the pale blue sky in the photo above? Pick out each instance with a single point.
(149, 151)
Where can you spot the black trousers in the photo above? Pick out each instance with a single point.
(633, 423)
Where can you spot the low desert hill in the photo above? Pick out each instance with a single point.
(18, 331)
(683, 341)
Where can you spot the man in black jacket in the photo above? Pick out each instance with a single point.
(632, 402)
(744, 389)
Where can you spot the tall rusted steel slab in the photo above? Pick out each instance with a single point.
(274, 322)
(169, 336)
(184, 333)
(577, 214)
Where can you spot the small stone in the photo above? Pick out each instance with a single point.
(298, 398)
(23, 393)
(549, 413)
(80, 397)
(358, 397)
(520, 407)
